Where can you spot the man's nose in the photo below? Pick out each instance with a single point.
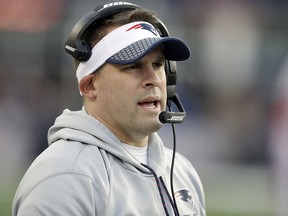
(152, 77)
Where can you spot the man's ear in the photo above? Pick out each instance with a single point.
(86, 87)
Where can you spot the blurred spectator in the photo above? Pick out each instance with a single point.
(15, 128)
(279, 141)
(30, 15)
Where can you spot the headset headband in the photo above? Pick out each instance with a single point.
(75, 45)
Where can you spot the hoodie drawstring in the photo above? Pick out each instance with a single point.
(170, 199)
(159, 180)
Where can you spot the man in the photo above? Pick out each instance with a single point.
(107, 158)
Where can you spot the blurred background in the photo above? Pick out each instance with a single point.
(234, 89)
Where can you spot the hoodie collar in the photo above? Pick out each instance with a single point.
(81, 127)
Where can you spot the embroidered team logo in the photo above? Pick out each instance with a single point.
(185, 196)
(144, 26)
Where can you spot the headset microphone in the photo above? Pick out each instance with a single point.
(173, 117)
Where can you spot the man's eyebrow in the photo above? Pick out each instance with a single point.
(161, 58)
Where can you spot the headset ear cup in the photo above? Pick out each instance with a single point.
(80, 50)
(171, 67)
(84, 52)
(171, 78)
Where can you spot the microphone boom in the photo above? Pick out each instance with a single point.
(173, 117)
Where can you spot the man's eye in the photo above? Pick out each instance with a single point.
(158, 64)
(130, 67)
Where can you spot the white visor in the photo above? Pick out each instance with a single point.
(128, 44)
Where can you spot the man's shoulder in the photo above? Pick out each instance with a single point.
(67, 156)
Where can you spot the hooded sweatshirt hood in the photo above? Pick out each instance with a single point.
(80, 127)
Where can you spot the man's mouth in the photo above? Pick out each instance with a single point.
(150, 103)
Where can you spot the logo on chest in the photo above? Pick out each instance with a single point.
(189, 203)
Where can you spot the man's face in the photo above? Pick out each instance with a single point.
(130, 97)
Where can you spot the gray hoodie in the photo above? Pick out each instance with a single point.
(86, 171)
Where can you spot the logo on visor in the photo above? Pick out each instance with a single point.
(144, 26)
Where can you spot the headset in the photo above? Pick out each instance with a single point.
(81, 50)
